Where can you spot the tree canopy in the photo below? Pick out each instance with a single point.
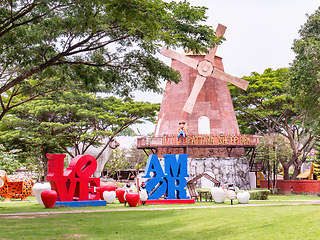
(268, 108)
(70, 119)
(263, 102)
(305, 69)
(113, 43)
(276, 149)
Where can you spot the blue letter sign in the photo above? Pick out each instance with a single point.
(172, 182)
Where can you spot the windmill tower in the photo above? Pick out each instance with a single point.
(202, 99)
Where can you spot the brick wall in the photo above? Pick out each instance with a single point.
(311, 187)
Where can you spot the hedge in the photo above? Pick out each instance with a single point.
(261, 194)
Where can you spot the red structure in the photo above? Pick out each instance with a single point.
(75, 183)
(202, 101)
(213, 104)
(311, 187)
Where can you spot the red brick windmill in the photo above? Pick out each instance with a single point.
(202, 99)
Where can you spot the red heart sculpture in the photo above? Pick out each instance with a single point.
(100, 190)
(49, 198)
(109, 186)
(132, 198)
(120, 194)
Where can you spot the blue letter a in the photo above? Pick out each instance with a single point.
(176, 165)
(153, 165)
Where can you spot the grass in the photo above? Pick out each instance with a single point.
(263, 222)
(292, 197)
(31, 205)
(16, 206)
(266, 222)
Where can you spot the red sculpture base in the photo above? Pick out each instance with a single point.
(169, 201)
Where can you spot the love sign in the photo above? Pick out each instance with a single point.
(172, 181)
(75, 183)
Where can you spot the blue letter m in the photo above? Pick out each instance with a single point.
(176, 165)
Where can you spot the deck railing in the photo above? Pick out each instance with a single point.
(204, 140)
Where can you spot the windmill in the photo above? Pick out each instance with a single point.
(202, 93)
(205, 68)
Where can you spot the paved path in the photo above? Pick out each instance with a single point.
(308, 202)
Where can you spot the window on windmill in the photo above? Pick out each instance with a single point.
(203, 125)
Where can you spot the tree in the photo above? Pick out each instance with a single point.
(8, 161)
(46, 43)
(115, 163)
(266, 107)
(276, 149)
(305, 68)
(128, 132)
(124, 159)
(73, 119)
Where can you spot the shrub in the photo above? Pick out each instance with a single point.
(258, 194)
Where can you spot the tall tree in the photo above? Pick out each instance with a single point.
(274, 149)
(266, 107)
(98, 42)
(305, 69)
(124, 159)
(73, 119)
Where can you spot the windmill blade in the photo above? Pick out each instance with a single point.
(182, 58)
(221, 29)
(240, 83)
(212, 51)
(198, 83)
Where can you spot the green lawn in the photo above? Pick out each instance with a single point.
(258, 222)
(285, 222)
(292, 197)
(31, 205)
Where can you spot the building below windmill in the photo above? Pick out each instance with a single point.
(207, 154)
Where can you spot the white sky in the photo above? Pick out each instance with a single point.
(259, 35)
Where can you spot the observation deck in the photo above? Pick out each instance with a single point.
(206, 141)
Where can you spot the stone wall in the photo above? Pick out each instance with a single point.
(225, 170)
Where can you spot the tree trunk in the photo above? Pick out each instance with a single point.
(297, 169)
(274, 177)
(286, 167)
(274, 186)
(297, 166)
(268, 174)
(45, 163)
